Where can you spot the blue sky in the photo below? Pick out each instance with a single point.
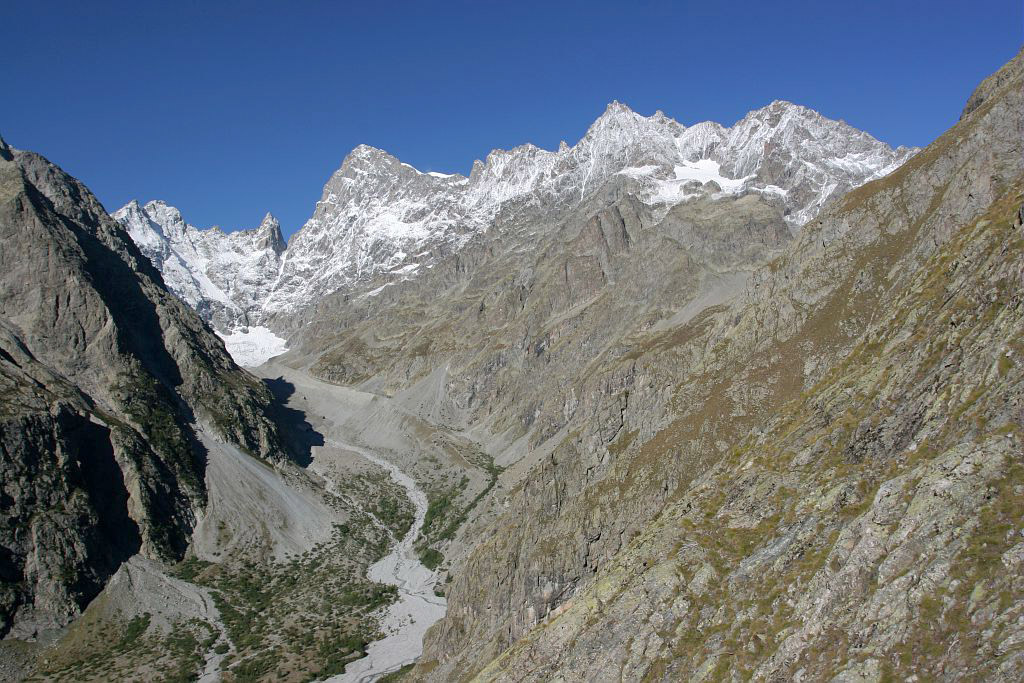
(231, 109)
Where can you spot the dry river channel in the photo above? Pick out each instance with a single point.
(332, 409)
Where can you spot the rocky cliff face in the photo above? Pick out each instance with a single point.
(818, 479)
(105, 377)
(381, 221)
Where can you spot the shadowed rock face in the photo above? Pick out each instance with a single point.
(103, 376)
(819, 479)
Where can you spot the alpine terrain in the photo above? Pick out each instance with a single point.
(696, 403)
(380, 221)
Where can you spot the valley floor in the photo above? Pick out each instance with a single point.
(417, 608)
(293, 574)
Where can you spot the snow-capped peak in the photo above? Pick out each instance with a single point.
(224, 276)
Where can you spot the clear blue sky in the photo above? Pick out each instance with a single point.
(231, 109)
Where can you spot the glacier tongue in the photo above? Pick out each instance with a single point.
(252, 346)
(379, 218)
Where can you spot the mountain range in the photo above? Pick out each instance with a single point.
(380, 220)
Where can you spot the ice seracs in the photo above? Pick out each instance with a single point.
(379, 217)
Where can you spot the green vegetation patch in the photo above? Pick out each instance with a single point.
(304, 618)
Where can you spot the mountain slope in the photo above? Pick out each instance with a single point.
(106, 377)
(830, 490)
(380, 220)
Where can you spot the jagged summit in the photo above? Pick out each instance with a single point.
(616, 111)
(366, 159)
(269, 234)
(380, 217)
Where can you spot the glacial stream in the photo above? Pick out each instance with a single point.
(416, 609)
